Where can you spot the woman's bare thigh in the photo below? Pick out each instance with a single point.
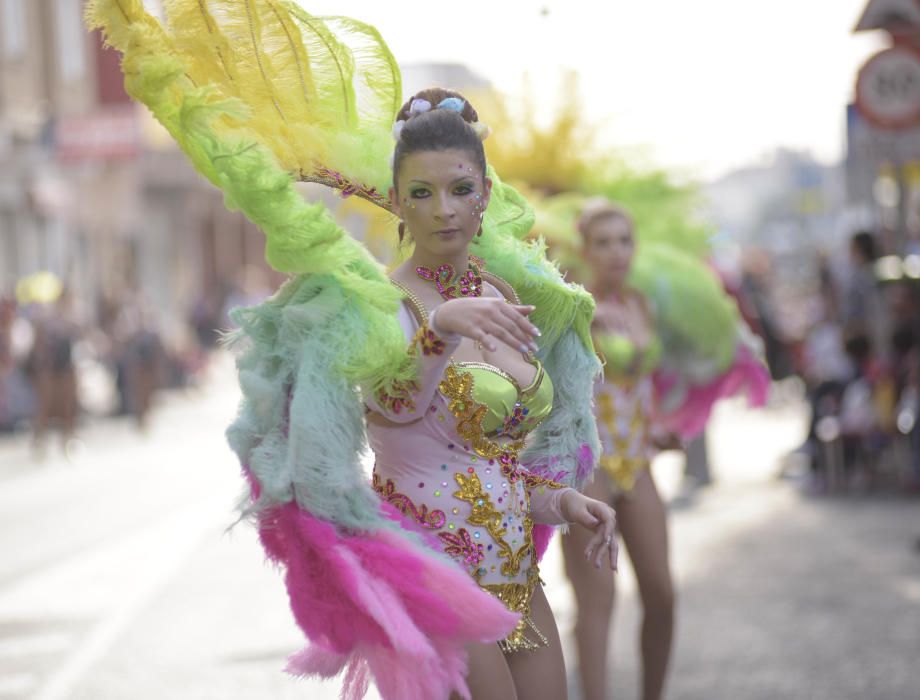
(488, 677)
(540, 674)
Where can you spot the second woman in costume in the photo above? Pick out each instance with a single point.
(625, 334)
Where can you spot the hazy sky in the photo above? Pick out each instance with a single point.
(700, 85)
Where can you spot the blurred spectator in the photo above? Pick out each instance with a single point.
(205, 319)
(905, 368)
(50, 367)
(861, 300)
(17, 398)
(826, 369)
(756, 289)
(7, 316)
(140, 359)
(867, 409)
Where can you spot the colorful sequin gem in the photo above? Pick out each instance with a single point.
(461, 546)
(468, 284)
(513, 422)
(428, 341)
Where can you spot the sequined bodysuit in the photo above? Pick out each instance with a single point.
(623, 402)
(446, 451)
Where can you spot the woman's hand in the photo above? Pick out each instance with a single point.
(597, 516)
(487, 319)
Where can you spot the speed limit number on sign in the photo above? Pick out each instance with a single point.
(888, 88)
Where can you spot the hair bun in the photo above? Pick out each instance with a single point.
(433, 99)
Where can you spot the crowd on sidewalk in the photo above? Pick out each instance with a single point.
(62, 360)
(860, 360)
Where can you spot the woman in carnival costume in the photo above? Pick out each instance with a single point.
(425, 580)
(671, 344)
(625, 335)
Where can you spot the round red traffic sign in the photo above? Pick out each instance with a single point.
(888, 88)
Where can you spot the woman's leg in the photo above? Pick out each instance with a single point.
(488, 677)
(594, 594)
(642, 521)
(540, 674)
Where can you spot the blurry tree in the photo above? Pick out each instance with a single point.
(559, 164)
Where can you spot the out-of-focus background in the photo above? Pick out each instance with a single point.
(783, 135)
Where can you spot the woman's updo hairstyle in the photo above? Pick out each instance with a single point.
(438, 120)
(599, 209)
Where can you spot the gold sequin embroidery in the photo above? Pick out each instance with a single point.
(457, 387)
(621, 469)
(483, 513)
(516, 597)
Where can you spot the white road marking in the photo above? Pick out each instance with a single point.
(112, 583)
(35, 644)
(18, 684)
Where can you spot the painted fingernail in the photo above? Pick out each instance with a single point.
(522, 348)
(534, 347)
(536, 331)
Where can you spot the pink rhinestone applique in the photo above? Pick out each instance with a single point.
(462, 546)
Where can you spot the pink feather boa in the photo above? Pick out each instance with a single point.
(378, 606)
(746, 376)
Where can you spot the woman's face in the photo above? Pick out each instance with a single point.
(609, 249)
(441, 197)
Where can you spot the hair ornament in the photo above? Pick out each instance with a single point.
(418, 106)
(482, 130)
(455, 104)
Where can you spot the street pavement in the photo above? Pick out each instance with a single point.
(122, 579)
